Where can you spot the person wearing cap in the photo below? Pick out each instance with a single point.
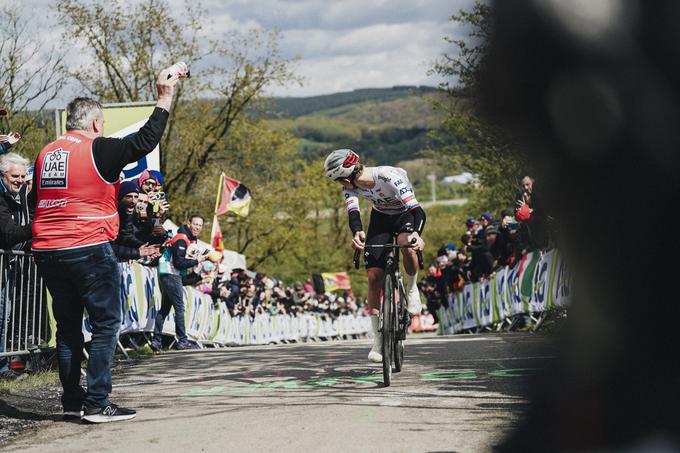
(127, 246)
(158, 176)
(147, 182)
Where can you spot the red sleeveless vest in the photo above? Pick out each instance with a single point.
(76, 206)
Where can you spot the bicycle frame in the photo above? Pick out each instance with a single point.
(393, 318)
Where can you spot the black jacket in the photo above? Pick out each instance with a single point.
(13, 213)
(179, 250)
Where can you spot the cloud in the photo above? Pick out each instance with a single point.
(343, 45)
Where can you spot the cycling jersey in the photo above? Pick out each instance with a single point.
(391, 194)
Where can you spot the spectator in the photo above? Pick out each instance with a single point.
(29, 179)
(174, 264)
(7, 140)
(15, 217)
(15, 232)
(433, 287)
(511, 246)
(533, 220)
(147, 182)
(127, 246)
(308, 286)
(75, 221)
(482, 260)
(494, 245)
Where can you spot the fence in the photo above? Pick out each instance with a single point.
(27, 323)
(207, 324)
(24, 325)
(539, 282)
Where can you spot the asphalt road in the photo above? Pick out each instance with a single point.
(456, 393)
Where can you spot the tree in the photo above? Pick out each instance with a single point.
(31, 76)
(126, 49)
(466, 139)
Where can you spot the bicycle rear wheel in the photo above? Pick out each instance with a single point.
(388, 329)
(401, 325)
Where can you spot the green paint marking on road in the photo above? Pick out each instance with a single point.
(513, 372)
(449, 375)
(203, 391)
(328, 382)
(319, 382)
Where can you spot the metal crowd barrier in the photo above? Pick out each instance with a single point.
(24, 325)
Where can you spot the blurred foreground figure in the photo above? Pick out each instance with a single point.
(591, 88)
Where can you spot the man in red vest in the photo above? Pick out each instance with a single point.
(76, 183)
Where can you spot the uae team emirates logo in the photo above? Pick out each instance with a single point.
(54, 171)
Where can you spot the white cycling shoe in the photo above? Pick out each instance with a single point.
(375, 355)
(414, 305)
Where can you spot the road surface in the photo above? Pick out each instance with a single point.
(456, 393)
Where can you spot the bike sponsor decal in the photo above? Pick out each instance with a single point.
(54, 171)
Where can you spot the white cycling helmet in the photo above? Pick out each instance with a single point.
(341, 163)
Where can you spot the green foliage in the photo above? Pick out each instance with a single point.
(465, 140)
(383, 130)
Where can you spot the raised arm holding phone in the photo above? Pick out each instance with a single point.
(76, 183)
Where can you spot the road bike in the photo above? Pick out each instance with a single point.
(394, 319)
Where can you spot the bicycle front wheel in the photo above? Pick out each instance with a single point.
(388, 329)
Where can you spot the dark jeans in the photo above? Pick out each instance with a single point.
(85, 278)
(172, 293)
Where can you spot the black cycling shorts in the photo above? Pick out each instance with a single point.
(381, 229)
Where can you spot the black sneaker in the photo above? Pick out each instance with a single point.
(110, 413)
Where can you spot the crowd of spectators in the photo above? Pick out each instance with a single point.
(488, 243)
(245, 293)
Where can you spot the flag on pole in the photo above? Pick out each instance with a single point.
(233, 196)
(216, 235)
(336, 280)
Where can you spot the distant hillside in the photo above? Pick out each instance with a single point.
(385, 125)
(293, 107)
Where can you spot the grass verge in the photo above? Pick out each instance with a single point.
(28, 381)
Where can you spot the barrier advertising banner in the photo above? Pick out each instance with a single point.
(540, 281)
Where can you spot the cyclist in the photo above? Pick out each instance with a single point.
(395, 211)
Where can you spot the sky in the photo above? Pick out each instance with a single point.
(341, 45)
(349, 44)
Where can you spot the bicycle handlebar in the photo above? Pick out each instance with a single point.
(419, 254)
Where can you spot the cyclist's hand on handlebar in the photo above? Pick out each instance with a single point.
(359, 240)
(417, 241)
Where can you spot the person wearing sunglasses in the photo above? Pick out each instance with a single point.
(395, 211)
